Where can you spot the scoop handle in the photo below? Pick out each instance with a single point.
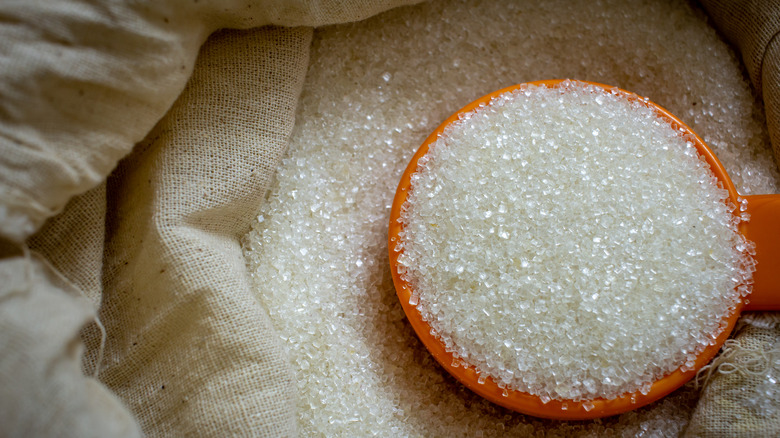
(763, 229)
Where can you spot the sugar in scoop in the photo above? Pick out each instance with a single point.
(569, 243)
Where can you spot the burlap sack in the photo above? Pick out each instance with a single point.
(743, 397)
(187, 350)
(752, 27)
(739, 398)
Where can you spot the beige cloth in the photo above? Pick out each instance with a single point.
(735, 401)
(743, 397)
(156, 246)
(189, 351)
(753, 27)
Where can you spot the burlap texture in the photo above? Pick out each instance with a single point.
(752, 26)
(727, 405)
(82, 82)
(73, 242)
(743, 398)
(188, 350)
(43, 392)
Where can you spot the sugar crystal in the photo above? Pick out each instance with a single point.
(579, 206)
(351, 131)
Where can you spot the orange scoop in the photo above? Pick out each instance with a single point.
(763, 229)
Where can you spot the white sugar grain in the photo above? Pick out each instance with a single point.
(374, 91)
(570, 243)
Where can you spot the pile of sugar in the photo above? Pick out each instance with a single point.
(571, 244)
(374, 91)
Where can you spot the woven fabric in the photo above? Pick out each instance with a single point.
(752, 26)
(42, 390)
(73, 242)
(733, 403)
(190, 350)
(83, 82)
(742, 398)
(155, 251)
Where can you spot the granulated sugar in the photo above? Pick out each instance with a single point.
(374, 92)
(570, 243)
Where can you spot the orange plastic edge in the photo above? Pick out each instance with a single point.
(763, 229)
(521, 401)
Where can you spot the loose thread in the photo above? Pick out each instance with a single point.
(736, 359)
(28, 266)
(101, 349)
(28, 254)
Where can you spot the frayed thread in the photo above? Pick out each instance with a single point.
(28, 269)
(736, 358)
(764, 320)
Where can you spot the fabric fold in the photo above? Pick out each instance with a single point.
(753, 27)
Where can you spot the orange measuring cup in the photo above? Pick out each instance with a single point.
(763, 229)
